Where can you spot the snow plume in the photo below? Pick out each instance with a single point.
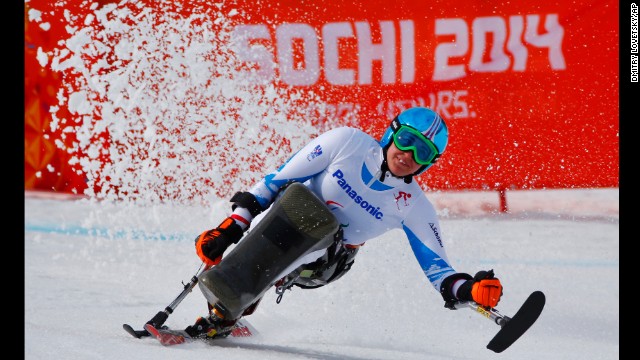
(162, 110)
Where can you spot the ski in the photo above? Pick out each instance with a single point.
(516, 326)
(160, 318)
(169, 337)
(135, 333)
(512, 328)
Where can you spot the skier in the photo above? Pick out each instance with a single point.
(370, 188)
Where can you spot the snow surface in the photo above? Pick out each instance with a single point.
(89, 268)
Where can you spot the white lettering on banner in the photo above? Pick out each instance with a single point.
(515, 46)
(290, 73)
(256, 56)
(552, 39)
(408, 51)
(508, 51)
(247, 49)
(331, 34)
(368, 52)
(451, 104)
(499, 60)
(444, 51)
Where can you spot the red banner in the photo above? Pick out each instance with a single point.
(529, 90)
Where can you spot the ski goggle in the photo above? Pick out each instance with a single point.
(424, 150)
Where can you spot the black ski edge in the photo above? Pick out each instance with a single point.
(519, 323)
(135, 333)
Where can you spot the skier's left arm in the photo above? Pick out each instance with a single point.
(425, 237)
(306, 163)
(312, 159)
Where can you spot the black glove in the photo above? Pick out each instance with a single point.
(211, 244)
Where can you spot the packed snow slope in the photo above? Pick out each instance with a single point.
(91, 267)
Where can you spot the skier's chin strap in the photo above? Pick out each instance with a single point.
(384, 167)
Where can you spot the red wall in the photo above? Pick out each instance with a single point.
(529, 91)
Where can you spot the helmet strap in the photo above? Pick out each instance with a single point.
(384, 167)
(420, 170)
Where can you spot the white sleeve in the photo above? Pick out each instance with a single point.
(309, 161)
(425, 237)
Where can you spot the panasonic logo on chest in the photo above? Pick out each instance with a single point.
(364, 204)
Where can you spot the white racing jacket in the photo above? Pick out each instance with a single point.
(343, 167)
